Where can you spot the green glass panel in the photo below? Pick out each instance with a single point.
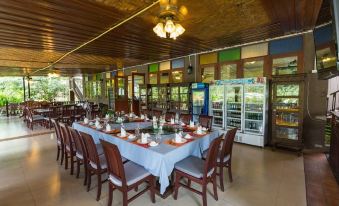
(229, 55)
(153, 67)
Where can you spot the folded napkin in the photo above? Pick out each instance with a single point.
(144, 137)
(191, 123)
(123, 132)
(130, 115)
(97, 123)
(86, 121)
(142, 116)
(178, 138)
(199, 130)
(172, 121)
(107, 116)
(108, 127)
(154, 118)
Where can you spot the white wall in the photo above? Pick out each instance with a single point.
(333, 86)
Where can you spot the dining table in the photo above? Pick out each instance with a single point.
(159, 160)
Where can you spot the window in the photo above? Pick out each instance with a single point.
(326, 58)
(228, 71)
(254, 69)
(285, 65)
(164, 78)
(177, 76)
(208, 74)
(165, 66)
(153, 78)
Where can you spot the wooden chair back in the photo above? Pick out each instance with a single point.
(92, 153)
(186, 118)
(57, 130)
(115, 166)
(206, 121)
(228, 141)
(211, 159)
(169, 116)
(65, 135)
(76, 139)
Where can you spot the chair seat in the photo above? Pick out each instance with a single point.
(37, 117)
(58, 142)
(133, 174)
(226, 158)
(79, 155)
(99, 149)
(102, 160)
(193, 166)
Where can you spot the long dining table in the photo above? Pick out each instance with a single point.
(158, 160)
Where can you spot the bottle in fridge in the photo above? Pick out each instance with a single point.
(200, 100)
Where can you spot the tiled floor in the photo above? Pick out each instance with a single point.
(31, 176)
(14, 127)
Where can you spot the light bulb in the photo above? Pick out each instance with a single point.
(159, 28)
(179, 29)
(174, 35)
(169, 27)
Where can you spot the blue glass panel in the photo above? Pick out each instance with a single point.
(178, 63)
(323, 35)
(292, 44)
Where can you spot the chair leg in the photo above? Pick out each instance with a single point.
(221, 176)
(78, 167)
(176, 186)
(189, 182)
(99, 187)
(110, 194)
(62, 155)
(124, 198)
(215, 191)
(66, 160)
(89, 179)
(230, 171)
(86, 173)
(152, 186)
(58, 152)
(204, 197)
(71, 157)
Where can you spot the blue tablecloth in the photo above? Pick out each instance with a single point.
(159, 160)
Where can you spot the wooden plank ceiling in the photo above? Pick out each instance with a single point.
(36, 33)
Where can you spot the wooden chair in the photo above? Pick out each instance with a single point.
(169, 116)
(199, 171)
(186, 118)
(52, 114)
(60, 141)
(34, 119)
(157, 113)
(206, 121)
(67, 114)
(125, 177)
(225, 154)
(97, 164)
(79, 151)
(69, 146)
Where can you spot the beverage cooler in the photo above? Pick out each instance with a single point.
(200, 100)
(245, 108)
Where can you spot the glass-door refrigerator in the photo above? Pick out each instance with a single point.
(234, 106)
(200, 99)
(217, 104)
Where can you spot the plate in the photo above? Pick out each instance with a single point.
(202, 133)
(156, 144)
(183, 140)
(139, 141)
(119, 135)
(190, 137)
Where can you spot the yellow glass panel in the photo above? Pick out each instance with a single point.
(209, 58)
(208, 74)
(177, 76)
(153, 78)
(165, 66)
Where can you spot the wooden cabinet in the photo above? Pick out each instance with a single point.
(287, 111)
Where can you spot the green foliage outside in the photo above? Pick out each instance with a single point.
(42, 89)
(11, 89)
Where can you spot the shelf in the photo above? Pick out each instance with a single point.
(234, 118)
(255, 112)
(233, 102)
(252, 130)
(218, 116)
(254, 120)
(288, 126)
(288, 110)
(239, 111)
(217, 109)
